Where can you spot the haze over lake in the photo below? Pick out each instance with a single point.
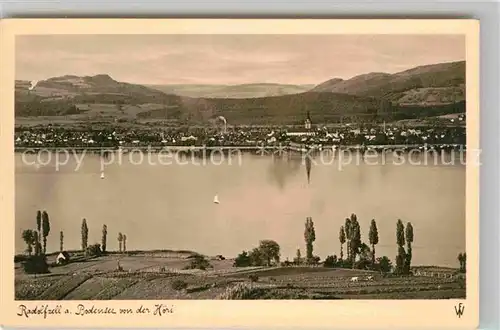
(171, 207)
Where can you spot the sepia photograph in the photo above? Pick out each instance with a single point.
(242, 166)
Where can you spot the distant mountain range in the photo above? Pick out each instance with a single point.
(423, 91)
(233, 91)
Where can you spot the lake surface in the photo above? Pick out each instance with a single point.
(261, 197)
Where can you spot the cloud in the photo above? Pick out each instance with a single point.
(229, 59)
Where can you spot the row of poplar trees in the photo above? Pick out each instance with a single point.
(350, 233)
(36, 239)
(122, 238)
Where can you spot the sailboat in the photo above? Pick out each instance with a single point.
(216, 199)
(102, 175)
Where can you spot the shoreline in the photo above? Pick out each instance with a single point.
(294, 148)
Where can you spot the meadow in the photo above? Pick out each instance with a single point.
(162, 276)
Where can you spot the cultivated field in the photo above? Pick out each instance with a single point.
(152, 276)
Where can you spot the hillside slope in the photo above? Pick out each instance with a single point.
(442, 83)
(101, 97)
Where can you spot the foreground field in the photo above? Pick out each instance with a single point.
(153, 277)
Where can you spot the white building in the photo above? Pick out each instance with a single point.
(307, 124)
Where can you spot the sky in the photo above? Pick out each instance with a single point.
(229, 59)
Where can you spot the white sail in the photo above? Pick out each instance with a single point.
(216, 199)
(33, 84)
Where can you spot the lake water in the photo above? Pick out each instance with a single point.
(263, 197)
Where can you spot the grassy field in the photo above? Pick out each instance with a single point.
(153, 276)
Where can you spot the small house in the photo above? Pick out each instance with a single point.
(62, 258)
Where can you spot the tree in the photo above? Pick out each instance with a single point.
(29, 238)
(256, 258)
(298, 258)
(61, 241)
(409, 241)
(104, 237)
(400, 233)
(124, 243)
(400, 260)
(409, 233)
(85, 235)
(384, 264)
(120, 240)
(39, 223)
(364, 252)
(355, 238)
(464, 263)
(373, 236)
(310, 237)
(342, 241)
(270, 251)
(38, 245)
(45, 229)
(347, 229)
(461, 261)
(400, 240)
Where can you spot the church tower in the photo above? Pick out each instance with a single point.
(307, 122)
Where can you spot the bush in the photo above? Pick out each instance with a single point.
(198, 262)
(94, 250)
(346, 264)
(363, 264)
(314, 260)
(36, 265)
(179, 285)
(383, 264)
(242, 260)
(330, 261)
(253, 278)
(20, 258)
(240, 291)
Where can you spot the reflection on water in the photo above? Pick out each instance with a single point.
(265, 198)
(283, 168)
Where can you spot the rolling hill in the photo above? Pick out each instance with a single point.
(434, 84)
(101, 97)
(420, 92)
(72, 86)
